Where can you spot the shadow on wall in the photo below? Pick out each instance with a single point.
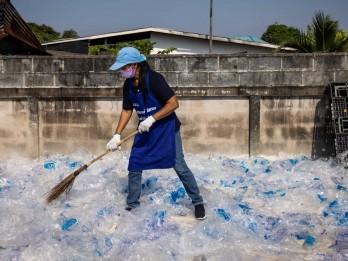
(323, 145)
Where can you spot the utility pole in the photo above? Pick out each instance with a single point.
(211, 28)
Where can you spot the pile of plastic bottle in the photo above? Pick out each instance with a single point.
(291, 208)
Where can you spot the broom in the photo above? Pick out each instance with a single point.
(66, 184)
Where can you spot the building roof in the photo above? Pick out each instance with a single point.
(249, 38)
(15, 35)
(100, 38)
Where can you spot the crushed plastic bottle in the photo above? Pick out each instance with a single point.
(73, 165)
(50, 165)
(68, 224)
(223, 214)
(291, 206)
(179, 193)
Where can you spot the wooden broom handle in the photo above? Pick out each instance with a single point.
(108, 150)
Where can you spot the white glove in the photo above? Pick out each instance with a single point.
(112, 144)
(146, 124)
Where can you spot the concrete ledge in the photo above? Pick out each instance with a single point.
(76, 92)
(19, 93)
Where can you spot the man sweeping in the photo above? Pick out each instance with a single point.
(158, 144)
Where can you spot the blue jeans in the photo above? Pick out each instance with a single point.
(181, 169)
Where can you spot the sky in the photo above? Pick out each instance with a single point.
(230, 17)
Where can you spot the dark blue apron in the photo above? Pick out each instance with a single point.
(154, 149)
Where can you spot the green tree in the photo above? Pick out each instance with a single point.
(43, 33)
(144, 46)
(70, 34)
(280, 34)
(341, 41)
(323, 35)
(167, 51)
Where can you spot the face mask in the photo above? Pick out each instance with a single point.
(128, 73)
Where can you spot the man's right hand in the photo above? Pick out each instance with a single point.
(112, 144)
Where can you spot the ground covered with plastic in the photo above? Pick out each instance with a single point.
(291, 208)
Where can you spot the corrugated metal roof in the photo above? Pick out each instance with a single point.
(13, 28)
(249, 38)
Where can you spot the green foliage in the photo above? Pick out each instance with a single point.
(44, 33)
(341, 41)
(303, 42)
(280, 34)
(144, 46)
(70, 34)
(95, 49)
(323, 35)
(167, 51)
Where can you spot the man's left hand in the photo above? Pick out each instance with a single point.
(146, 124)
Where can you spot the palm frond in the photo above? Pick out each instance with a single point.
(324, 29)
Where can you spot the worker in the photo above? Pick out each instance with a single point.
(158, 144)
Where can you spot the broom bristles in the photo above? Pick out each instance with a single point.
(64, 186)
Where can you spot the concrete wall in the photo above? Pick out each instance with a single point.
(267, 104)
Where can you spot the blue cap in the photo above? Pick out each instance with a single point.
(127, 55)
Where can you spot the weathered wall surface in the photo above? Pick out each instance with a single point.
(286, 125)
(217, 125)
(18, 131)
(267, 104)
